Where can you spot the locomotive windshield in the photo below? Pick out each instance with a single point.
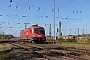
(38, 30)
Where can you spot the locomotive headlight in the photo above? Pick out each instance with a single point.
(33, 35)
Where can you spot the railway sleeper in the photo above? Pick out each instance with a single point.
(75, 57)
(44, 56)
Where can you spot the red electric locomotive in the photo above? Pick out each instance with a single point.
(33, 34)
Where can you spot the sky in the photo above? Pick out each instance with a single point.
(73, 14)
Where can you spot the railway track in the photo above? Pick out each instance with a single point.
(53, 53)
(7, 41)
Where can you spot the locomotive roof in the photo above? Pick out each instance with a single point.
(35, 26)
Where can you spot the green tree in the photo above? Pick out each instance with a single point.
(60, 40)
(71, 40)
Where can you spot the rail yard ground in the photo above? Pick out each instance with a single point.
(76, 45)
(27, 51)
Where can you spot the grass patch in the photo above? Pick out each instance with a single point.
(87, 46)
(1, 52)
(1, 55)
(2, 47)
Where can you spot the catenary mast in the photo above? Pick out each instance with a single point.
(54, 16)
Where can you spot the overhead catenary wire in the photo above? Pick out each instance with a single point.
(40, 8)
(43, 11)
(21, 9)
(69, 2)
(58, 9)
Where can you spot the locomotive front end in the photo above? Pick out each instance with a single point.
(39, 34)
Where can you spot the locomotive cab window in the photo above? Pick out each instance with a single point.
(38, 30)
